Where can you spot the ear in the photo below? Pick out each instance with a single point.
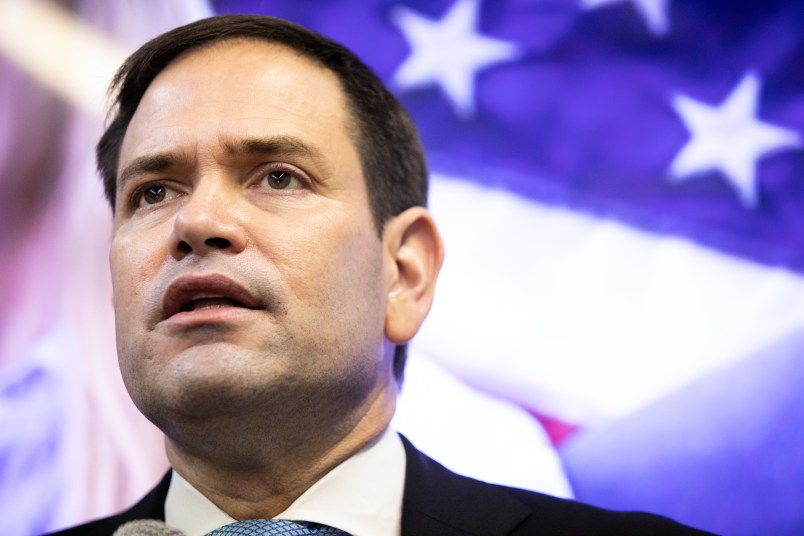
(414, 253)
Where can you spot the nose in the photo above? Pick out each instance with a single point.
(209, 221)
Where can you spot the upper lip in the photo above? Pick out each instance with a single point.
(186, 288)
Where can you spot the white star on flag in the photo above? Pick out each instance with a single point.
(729, 138)
(448, 52)
(654, 12)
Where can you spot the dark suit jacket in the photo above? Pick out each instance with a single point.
(438, 502)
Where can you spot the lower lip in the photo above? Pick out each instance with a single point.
(211, 315)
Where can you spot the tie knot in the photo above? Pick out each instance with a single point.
(275, 527)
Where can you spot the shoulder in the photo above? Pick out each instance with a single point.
(438, 501)
(152, 506)
(552, 515)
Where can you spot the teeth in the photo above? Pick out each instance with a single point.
(209, 301)
(211, 306)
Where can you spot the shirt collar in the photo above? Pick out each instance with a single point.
(362, 496)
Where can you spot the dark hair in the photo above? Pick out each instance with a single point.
(392, 159)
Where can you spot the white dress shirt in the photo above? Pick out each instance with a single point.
(362, 496)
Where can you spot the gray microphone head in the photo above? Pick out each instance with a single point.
(147, 527)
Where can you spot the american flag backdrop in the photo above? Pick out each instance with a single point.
(620, 318)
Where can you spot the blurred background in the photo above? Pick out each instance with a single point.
(620, 187)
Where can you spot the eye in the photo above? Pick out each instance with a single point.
(278, 179)
(279, 176)
(153, 194)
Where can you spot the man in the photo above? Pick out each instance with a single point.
(271, 258)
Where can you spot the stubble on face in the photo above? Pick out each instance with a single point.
(314, 353)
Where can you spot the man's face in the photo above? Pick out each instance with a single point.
(245, 263)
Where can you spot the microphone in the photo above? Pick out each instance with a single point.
(147, 527)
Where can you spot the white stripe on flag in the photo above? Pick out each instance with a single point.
(587, 319)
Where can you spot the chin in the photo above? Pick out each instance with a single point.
(186, 404)
(192, 388)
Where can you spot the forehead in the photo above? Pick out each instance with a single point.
(240, 88)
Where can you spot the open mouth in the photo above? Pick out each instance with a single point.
(198, 293)
(210, 302)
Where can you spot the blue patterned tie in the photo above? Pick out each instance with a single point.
(275, 527)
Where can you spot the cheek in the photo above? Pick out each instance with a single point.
(333, 271)
(132, 262)
(336, 258)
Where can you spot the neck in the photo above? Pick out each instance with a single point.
(262, 473)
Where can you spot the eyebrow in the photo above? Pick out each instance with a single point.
(287, 146)
(276, 146)
(152, 163)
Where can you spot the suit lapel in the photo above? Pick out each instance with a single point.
(152, 506)
(439, 502)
